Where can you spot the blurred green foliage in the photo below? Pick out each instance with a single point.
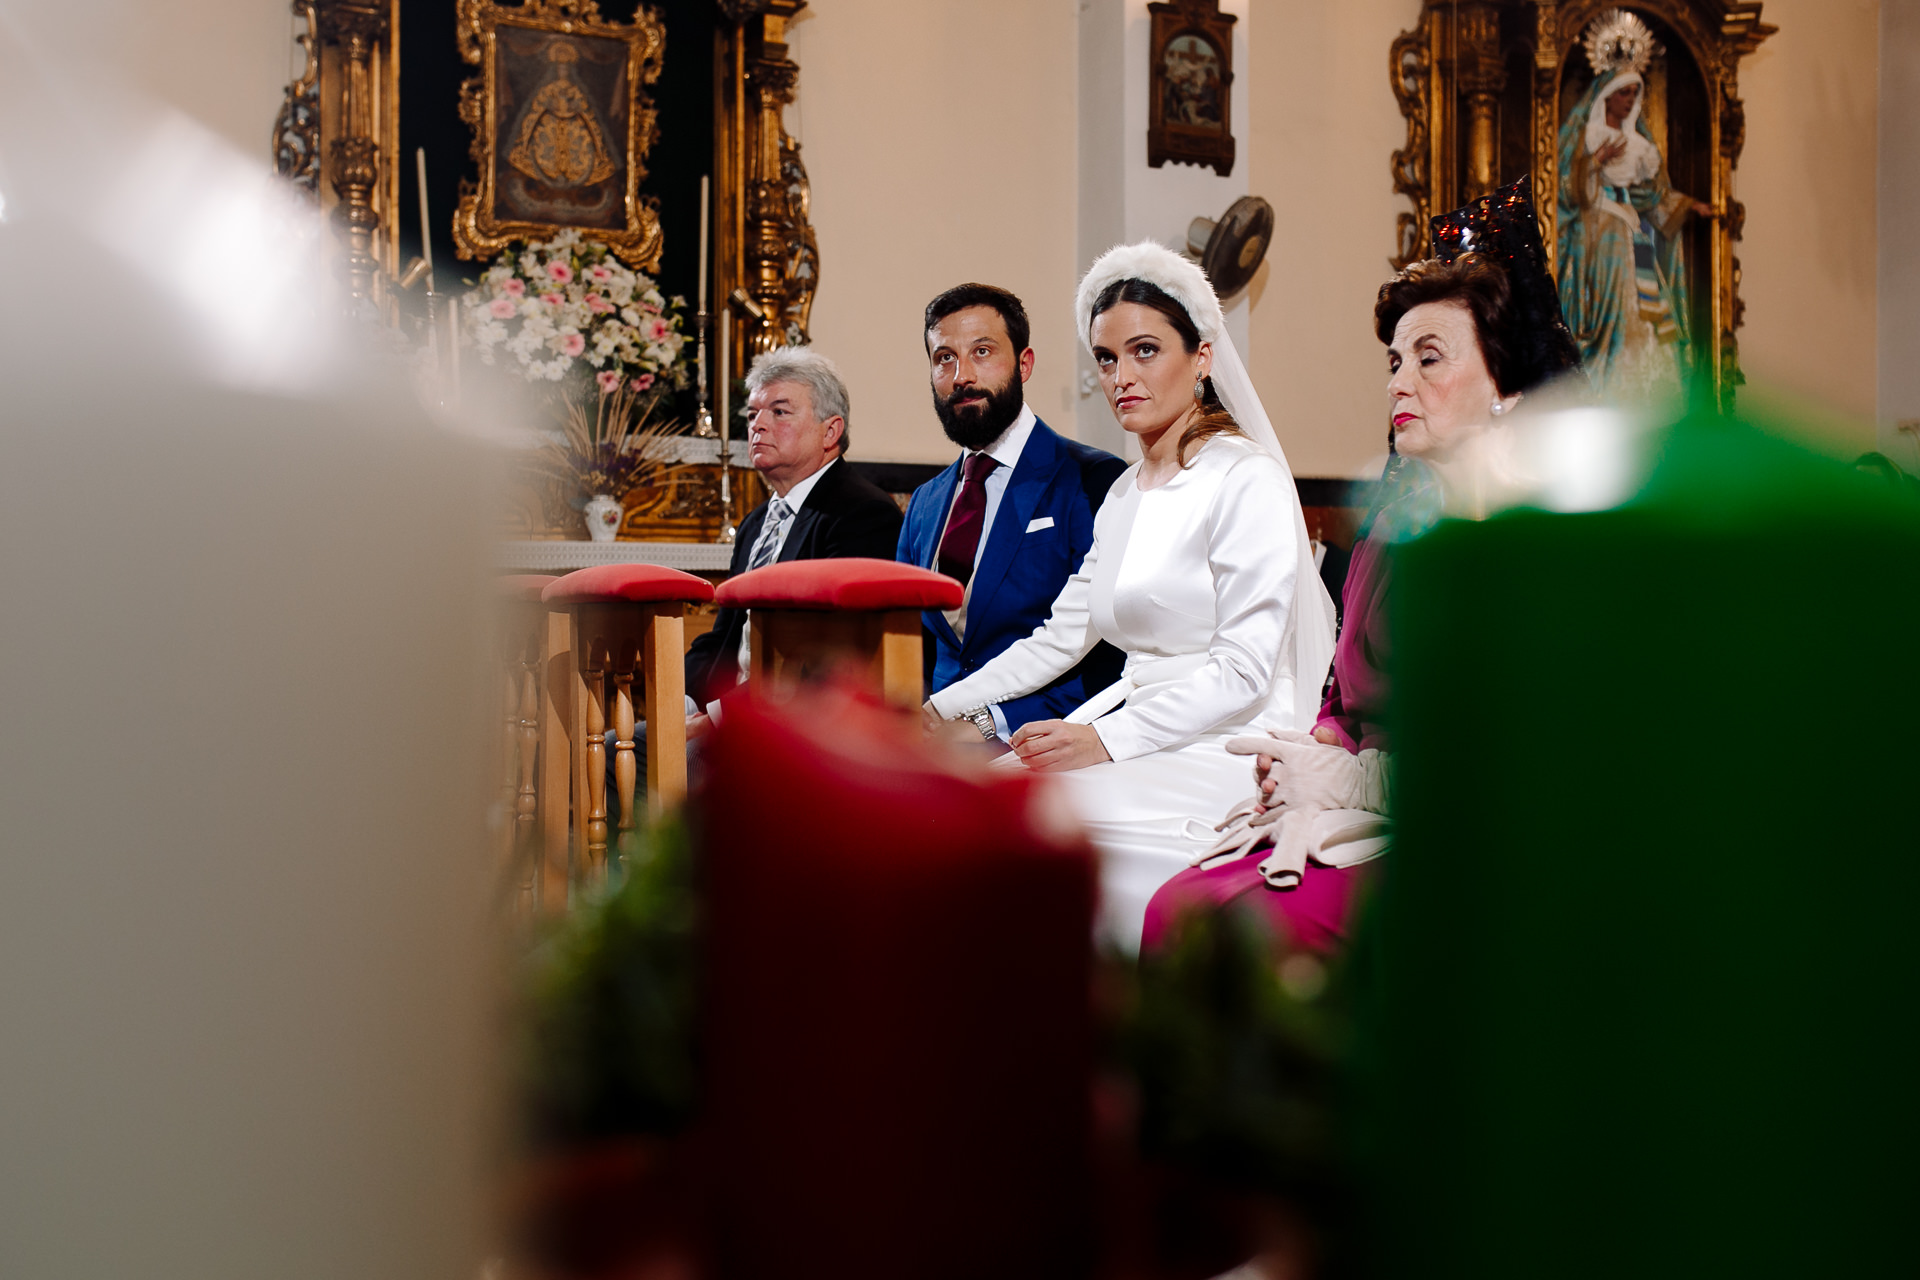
(605, 1044)
(1240, 1052)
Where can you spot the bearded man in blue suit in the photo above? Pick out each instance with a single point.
(1012, 517)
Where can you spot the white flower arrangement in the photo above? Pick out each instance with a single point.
(567, 306)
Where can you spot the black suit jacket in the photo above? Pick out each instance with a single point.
(844, 515)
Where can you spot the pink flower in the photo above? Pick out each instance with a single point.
(559, 272)
(609, 382)
(642, 382)
(598, 305)
(501, 308)
(601, 274)
(652, 308)
(656, 329)
(515, 288)
(552, 299)
(573, 344)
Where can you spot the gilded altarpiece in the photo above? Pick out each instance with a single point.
(1485, 87)
(337, 138)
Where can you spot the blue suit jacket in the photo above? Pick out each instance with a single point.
(1021, 572)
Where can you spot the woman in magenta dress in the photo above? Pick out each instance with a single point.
(1468, 335)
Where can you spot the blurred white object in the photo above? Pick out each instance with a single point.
(245, 954)
(236, 249)
(1581, 459)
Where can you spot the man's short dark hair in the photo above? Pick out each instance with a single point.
(1012, 311)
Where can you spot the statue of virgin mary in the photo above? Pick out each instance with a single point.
(1622, 270)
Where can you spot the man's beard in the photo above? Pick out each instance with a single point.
(977, 425)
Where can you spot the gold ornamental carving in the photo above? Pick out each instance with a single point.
(1449, 76)
(766, 255)
(296, 130)
(562, 125)
(355, 87)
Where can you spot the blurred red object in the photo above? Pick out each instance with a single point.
(898, 1027)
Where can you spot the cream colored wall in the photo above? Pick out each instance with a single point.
(226, 63)
(941, 141)
(1323, 128)
(1808, 180)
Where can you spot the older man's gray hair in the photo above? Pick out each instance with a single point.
(811, 370)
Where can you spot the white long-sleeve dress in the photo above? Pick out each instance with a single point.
(1195, 581)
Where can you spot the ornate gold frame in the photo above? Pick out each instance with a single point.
(1450, 76)
(338, 132)
(1171, 141)
(476, 232)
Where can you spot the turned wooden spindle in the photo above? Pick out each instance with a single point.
(626, 623)
(523, 632)
(624, 770)
(556, 763)
(526, 806)
(590, 786)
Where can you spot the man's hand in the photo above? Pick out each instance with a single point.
(956, 733)
(1054, 746)
(699, 725)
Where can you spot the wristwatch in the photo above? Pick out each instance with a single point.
(982, 719)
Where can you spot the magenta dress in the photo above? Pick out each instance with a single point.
(1315, 915)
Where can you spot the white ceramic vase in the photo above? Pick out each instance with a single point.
(603, 517)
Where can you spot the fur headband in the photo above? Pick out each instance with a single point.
(1179, 277)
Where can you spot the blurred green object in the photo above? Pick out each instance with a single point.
(1239, 1066)
(606, 1024)
(1647, 952)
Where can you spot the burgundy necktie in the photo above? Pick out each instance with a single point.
(962, 538)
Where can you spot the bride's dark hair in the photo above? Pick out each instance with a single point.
(1214, 420)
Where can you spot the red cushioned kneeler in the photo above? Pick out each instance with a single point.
(625, 620)
(849, 615)
(610, 583)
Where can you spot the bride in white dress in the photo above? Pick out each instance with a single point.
(1200, 570)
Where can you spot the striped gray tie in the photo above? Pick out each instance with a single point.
(767, 545)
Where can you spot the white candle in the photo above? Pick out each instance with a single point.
(726, 425)
(453, 309)
(703, 242)
(426, 234)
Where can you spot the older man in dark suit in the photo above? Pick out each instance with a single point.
(820, 508)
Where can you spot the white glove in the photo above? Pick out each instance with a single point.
(1310, 774)
(1244, 827)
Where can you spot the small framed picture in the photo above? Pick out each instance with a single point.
(1189, 118)
(562, 123)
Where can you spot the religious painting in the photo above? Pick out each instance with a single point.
(1191, 68)
(1189, 121)
(562, 124)
(1624, 257)
(1628, 120)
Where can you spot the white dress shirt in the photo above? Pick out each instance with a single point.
(796, 498)
(1006, 451)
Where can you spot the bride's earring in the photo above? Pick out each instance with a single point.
(1499, 407)
(1200, 388)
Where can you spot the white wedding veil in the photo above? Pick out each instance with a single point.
(1310, 623)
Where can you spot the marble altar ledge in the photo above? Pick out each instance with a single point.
(563, 557)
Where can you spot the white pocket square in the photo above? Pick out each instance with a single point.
(1040, 522)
